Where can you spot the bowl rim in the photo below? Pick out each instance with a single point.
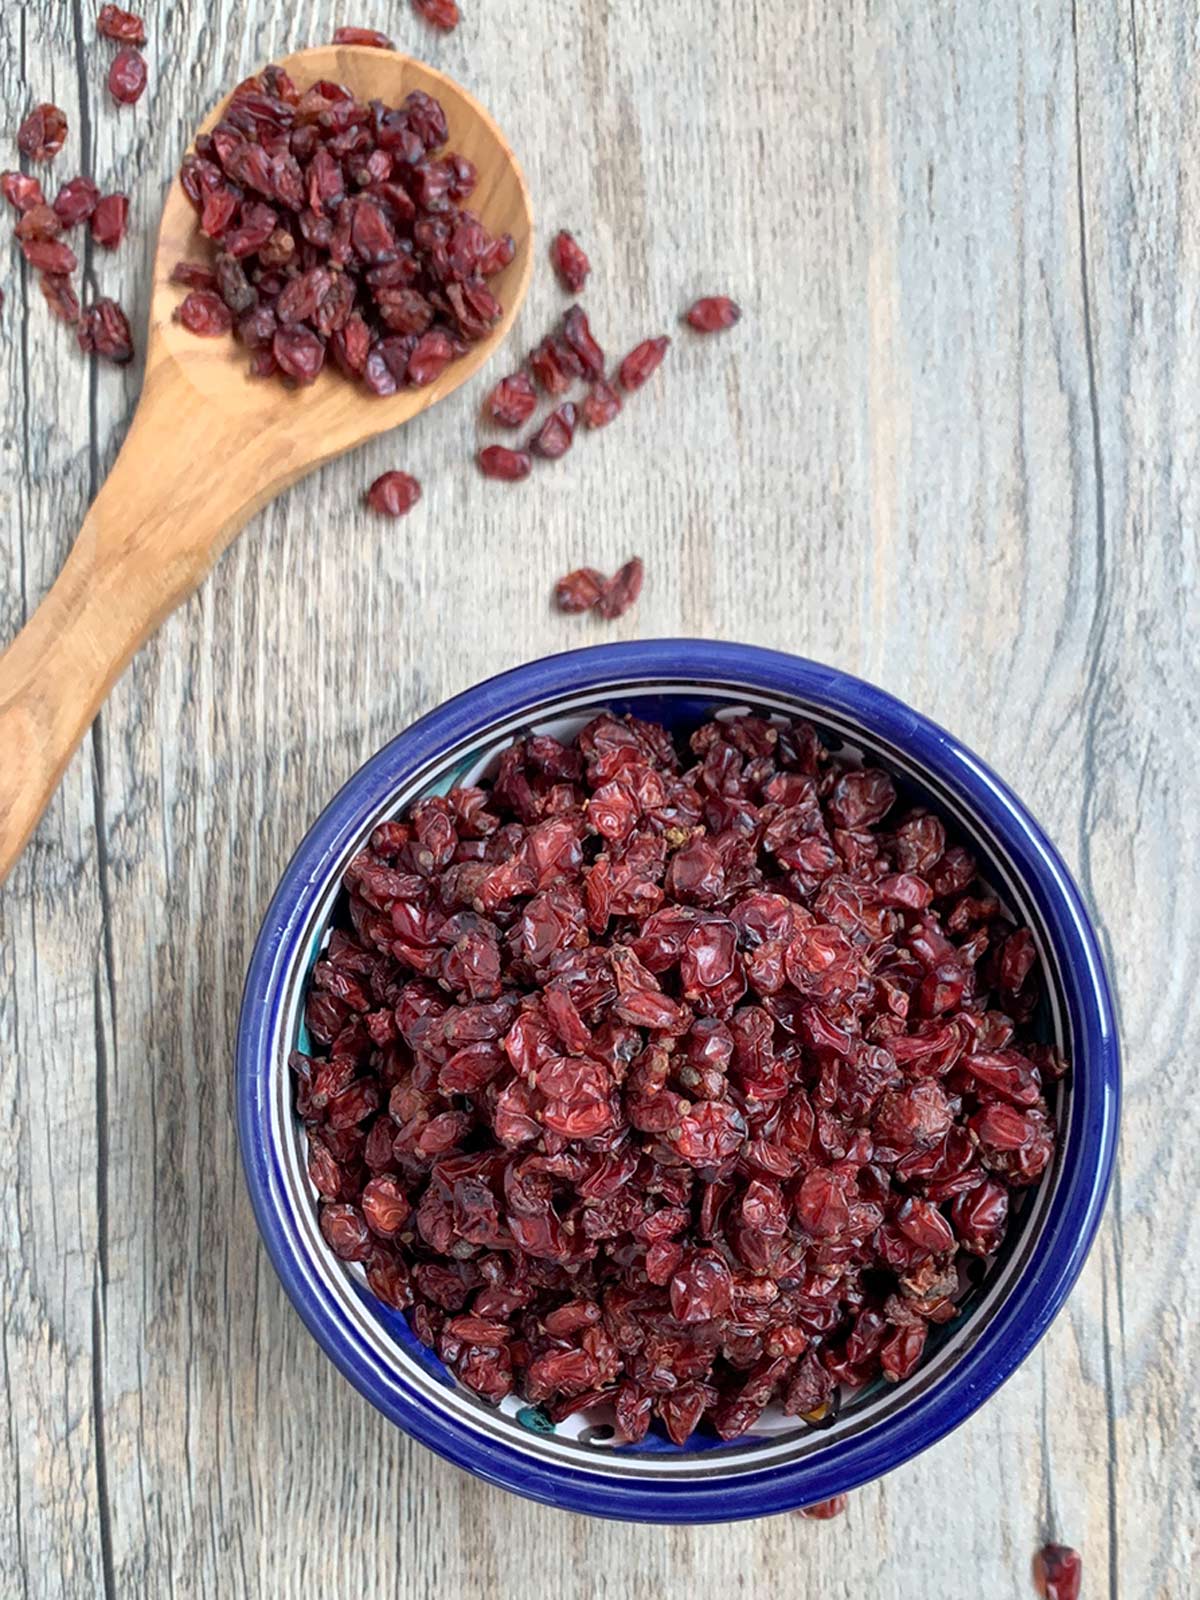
(1020, 1320)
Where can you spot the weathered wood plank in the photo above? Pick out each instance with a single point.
(951, 447)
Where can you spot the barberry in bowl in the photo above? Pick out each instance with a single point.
(677, 1081)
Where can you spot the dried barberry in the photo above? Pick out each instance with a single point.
(579, 590)
(60, 297)
(495, 461)
(104, 330)
(368, 36)
(713, 313)
(127, 76)
(512, 402)
(621, 590)
(108, 219)
(825, 1510)
(570, 262)
(21, 192)
(43, 133)
(393, 494)
(1057, 1572)
(641, 361)
(601, 404)
(75, 201)
(113, 23)
(205, 313)
(443, 14)
(553, 438)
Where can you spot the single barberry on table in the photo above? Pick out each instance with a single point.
(113, 23)
(601, 404)
(553, 438)
(443, 14)
(1058, 1572)
(512, 402)
(825, 1510)
(643, 360)
(75, 201)
(108, 219)
(60, 297)
(127, 76)
(367, 36)
(570, 262)
(393, 494)
(43, 133)
(579, 590)
(510, 466)
(104, 331)
(713, 314)
(22, 192)
(652, 1072)
(621, 590)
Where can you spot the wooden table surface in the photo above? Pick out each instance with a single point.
(953, 447)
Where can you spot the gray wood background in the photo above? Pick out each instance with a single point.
(953, 446)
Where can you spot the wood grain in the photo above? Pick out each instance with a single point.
(952, 446)
(209, 446)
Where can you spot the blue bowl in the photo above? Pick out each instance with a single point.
(784, 1463)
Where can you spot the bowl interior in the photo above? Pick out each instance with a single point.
(381, 1337)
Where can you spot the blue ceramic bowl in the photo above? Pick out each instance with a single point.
(784, 1463)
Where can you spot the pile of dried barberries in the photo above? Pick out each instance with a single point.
(683, 1085)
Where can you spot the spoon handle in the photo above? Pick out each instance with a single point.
(168, 508)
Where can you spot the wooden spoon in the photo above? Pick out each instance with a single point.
(208, 446)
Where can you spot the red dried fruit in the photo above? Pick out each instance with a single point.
(60, 297)
(385, 1207)
(713, 313)
(571, 264)
(104, 330)
(192, 275)
(49, 255)
(393, 494)
(508, 465)
(299, 354)
(641, 361)
(21, 192)
(626, 1088)
(368, 36)
(76, 201)
(553, 365)
(108, 220)
(824, 1510)
(431, 355)
(1057, 1572)
(513, 400)
(40, 223)
(43, 133)
(442, 14)
(578, 335)
(621, 590)
(346, 1234)
(113, 23)
(127, 77)
(553, 438)
(579, 590)
(601, 404)
(205, 313)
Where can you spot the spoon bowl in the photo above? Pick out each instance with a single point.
(334, 414)
(209, 445)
